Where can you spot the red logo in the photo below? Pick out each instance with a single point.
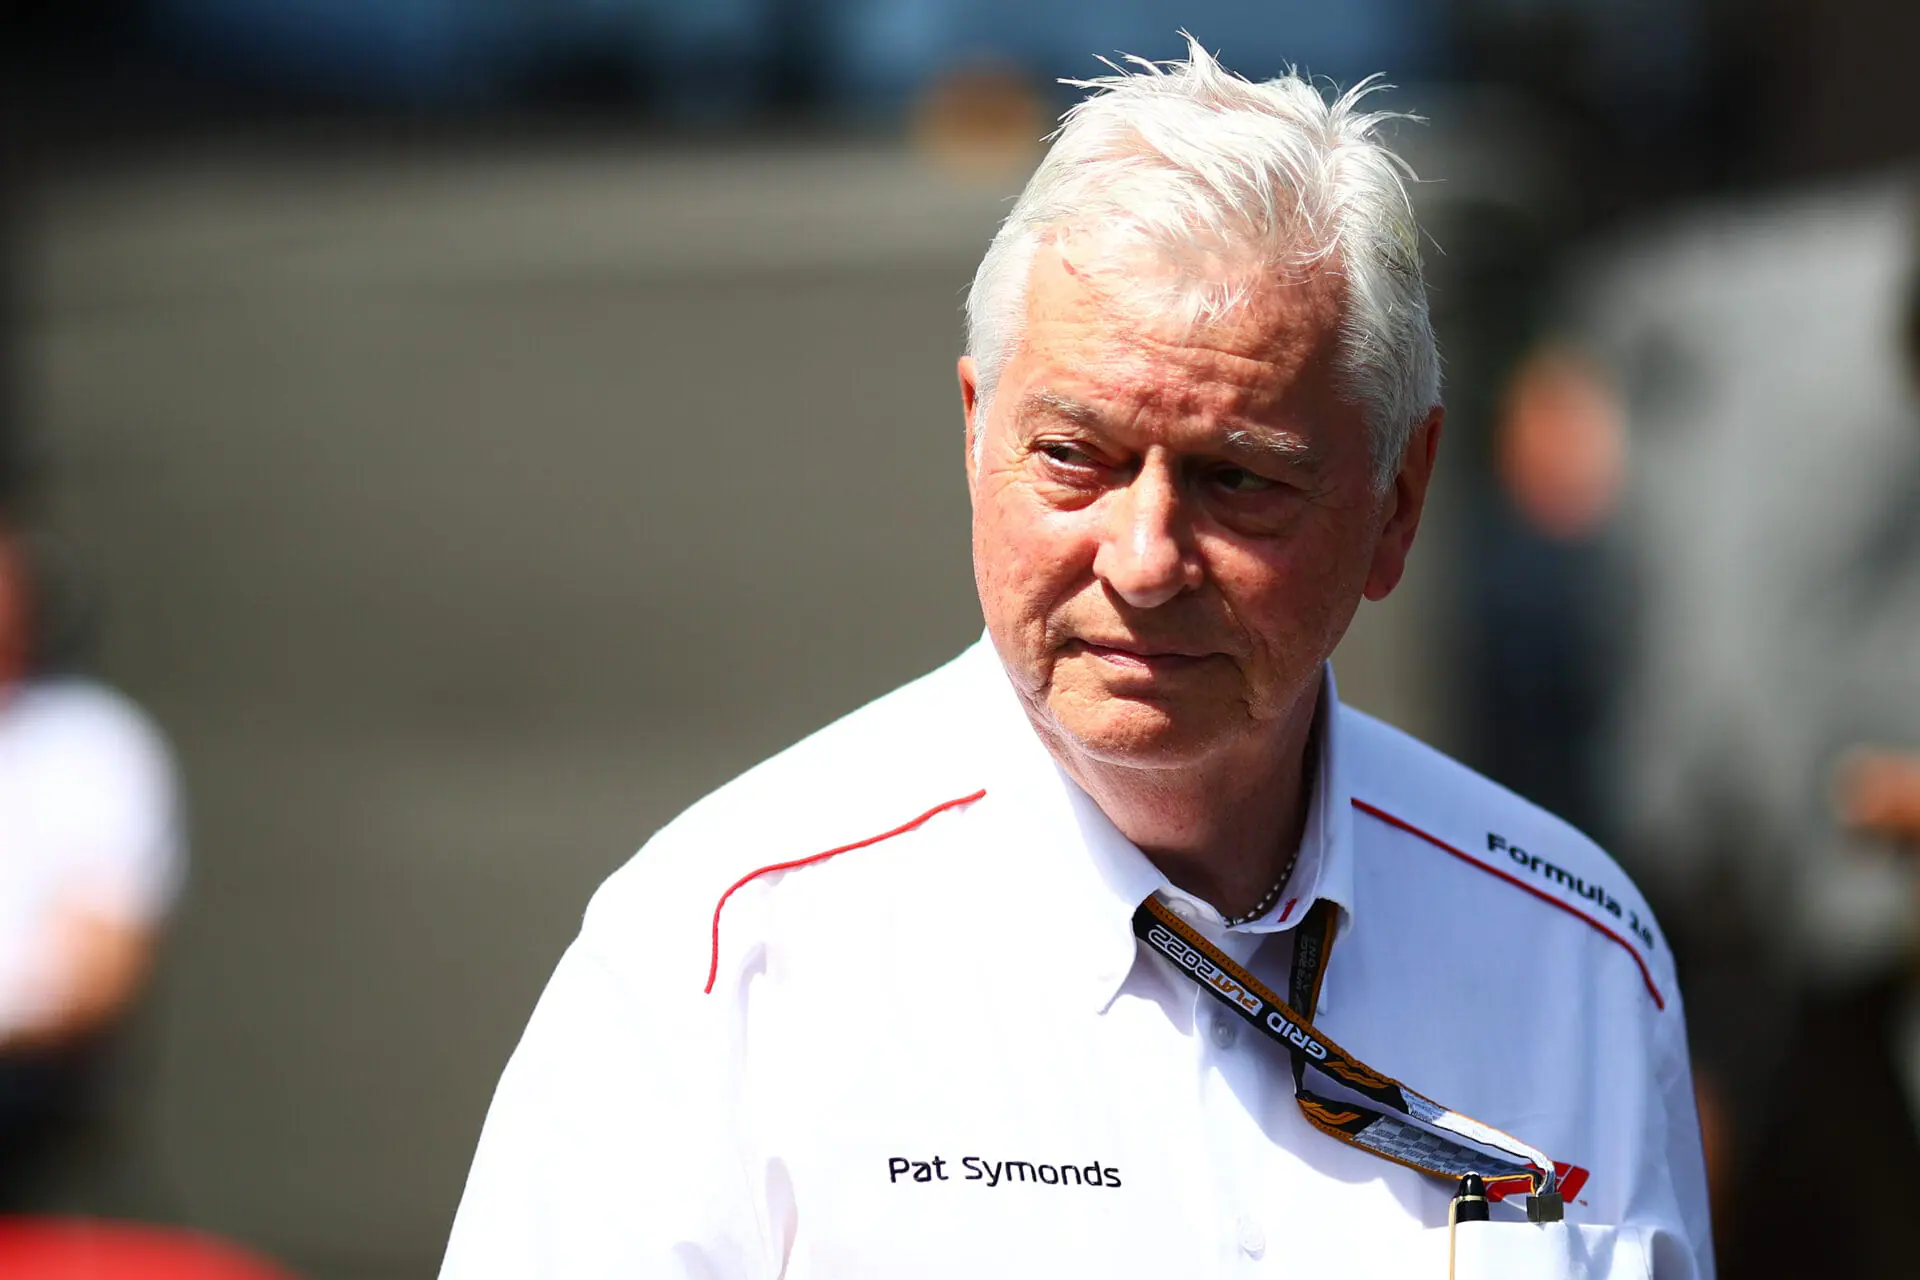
(1572, 1179)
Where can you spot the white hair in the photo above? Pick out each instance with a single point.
(1208, 168)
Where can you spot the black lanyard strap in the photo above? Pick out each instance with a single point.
(1382, 1115)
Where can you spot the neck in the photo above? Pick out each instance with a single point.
(1222, 829)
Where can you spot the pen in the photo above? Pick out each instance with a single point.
(1469, 1205)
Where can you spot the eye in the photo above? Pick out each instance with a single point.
(1239, 480)
(1065, 454)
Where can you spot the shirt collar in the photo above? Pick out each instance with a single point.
(1092, 878)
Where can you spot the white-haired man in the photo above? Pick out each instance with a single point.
(1118, 946)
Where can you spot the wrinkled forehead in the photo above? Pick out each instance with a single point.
(1092, 289)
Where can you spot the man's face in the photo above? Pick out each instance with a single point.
(1173, 528)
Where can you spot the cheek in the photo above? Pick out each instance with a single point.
(1293, 601)
(1026, 559)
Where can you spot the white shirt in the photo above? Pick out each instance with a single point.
(87, 821)
(908, 1044)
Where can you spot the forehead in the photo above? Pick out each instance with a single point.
(1117, 327)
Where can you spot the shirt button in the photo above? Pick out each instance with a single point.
(1225, 1033)
(1253, 1241)
(1184, 910)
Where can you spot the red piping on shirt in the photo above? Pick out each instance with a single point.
(713, 967)
(1470, 860)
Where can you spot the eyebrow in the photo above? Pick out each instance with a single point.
(1060, 406)
(1276, 447)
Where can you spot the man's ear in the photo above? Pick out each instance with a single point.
(1405, 501)
(969, 406)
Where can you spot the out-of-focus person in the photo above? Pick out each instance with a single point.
(1540, 658)
(1859, 1037)
(1768, 522)
(1769, 715)
(1877, 793)
(90, 860)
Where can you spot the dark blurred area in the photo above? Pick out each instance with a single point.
(473, 430)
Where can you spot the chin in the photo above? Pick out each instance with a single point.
(1140, 735)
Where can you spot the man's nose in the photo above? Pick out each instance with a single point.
(1146, 553)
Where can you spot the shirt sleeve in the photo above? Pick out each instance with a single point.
(610, 1149)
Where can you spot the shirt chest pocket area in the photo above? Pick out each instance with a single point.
(1547, 1251)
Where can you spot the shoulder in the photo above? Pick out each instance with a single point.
(1407, 790)
(880, 770)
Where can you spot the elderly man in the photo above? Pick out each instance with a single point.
(1118, 946)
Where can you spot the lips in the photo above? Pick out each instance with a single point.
(1135, 656)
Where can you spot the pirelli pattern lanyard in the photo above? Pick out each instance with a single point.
(1402, 1125)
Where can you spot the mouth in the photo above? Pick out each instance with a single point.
(1142, 658)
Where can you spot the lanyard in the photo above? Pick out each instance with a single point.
(1403, 1126)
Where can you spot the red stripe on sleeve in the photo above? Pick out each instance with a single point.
(713, 966)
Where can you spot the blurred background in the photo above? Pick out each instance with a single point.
(441, 439)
